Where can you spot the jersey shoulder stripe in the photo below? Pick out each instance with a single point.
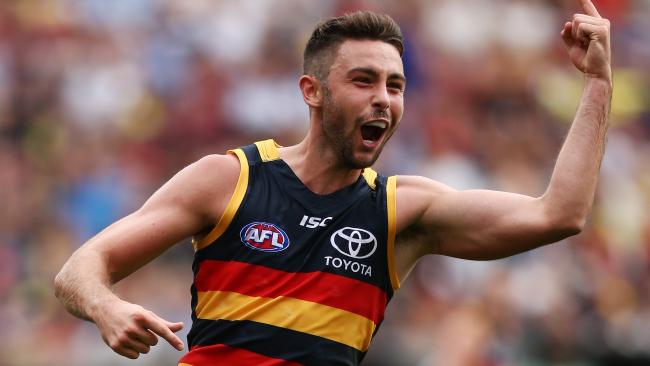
(268, 150)
(391, 192)
(233, 205)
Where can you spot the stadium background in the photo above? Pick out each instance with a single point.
(102, 101)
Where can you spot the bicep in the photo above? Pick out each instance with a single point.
(138, 238)
(481, 224)
(472, 224)
(182, 207)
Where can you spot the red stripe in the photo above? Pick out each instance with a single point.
(220, 354)
(324, 288)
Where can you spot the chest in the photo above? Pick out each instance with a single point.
(282, 226)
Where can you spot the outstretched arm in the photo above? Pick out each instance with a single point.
(479, 224)
(185, 205)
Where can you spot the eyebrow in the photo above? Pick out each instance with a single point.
(374, 73)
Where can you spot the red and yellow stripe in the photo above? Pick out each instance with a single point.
(315, 302)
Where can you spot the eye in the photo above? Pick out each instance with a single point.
(396, 87)
(361, 80)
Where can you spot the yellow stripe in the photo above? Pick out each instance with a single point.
(184, 364)
(302, 316)
(391, 188)
(370, 176)
(268, 150)
(233, 204)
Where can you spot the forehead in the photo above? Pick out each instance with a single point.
(378, 55)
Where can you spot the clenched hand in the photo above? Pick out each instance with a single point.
(587, 39)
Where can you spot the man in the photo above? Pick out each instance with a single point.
(299, 248)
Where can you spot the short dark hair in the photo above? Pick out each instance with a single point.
(330, 34)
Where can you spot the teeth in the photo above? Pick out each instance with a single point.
(380, 124)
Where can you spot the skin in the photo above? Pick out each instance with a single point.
(365, 82)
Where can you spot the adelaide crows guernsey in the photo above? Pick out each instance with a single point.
(290, 277)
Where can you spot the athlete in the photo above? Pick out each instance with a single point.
(299, 248)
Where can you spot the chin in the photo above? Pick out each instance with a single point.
(356, 163)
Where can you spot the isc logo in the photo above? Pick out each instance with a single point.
(264, 237)
(314, 222)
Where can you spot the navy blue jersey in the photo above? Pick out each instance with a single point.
(290, 277)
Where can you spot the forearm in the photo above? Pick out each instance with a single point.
(573, 184)
(83, 284)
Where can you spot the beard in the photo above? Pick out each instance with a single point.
(340, 137)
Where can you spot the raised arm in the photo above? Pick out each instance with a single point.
(479, 224)
(188, 203)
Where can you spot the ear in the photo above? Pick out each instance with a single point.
(312, 94)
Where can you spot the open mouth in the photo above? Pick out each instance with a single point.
(373, 131)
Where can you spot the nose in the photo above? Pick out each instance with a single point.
(380, 98)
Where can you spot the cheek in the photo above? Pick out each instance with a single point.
(397, 107)
(350, 105)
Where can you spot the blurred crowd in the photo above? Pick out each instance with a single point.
(102, 101)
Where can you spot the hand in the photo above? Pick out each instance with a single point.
(587, 41)
(130, 329)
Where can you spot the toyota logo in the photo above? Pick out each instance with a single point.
(353, 242)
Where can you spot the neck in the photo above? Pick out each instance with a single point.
(317, 166)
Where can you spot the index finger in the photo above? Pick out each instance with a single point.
(589, 8)
(162, 330)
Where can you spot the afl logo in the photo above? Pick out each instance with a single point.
(354, 243)
(264, 237)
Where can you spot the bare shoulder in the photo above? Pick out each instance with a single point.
(415, 195)
(210, 170)
(203, 187)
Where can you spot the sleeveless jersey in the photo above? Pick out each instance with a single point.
(290, 277)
